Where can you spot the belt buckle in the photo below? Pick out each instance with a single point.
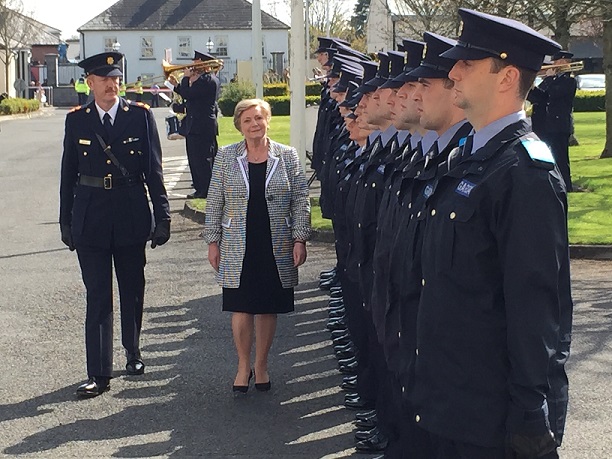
(108, 182)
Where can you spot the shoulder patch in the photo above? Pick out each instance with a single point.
(538, 151)
(74, 109)
(140, 104)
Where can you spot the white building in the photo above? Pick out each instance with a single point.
(145, 29)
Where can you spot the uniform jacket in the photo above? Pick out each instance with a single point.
(553, 102)
(495, 308)
(120, 215)
(201, 101)
(226, 209)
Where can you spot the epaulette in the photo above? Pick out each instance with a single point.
(539, 153)
(74, 109)
(140, 104)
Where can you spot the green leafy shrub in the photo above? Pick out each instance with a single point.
(15, 106)
(281, 104)
(590, 101)
(313, 89)
(232, 93)
(276, 89)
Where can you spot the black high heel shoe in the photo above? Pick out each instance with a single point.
(263, 387)
(243, 389)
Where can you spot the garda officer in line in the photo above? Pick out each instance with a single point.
(494, 319)
(200, 88)
(111, 151)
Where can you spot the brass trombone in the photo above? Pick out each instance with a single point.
(563, 67)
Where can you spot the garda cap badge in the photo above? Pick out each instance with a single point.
(110, 60)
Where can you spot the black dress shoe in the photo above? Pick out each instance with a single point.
(350, 369)
(343, 334)
(263, 387)
(346, 362)
(344, 347)
(329, 272)
(364, 415)
(243, 389)
(335, 295)
(375, 443)
(349, 378)
(337, 313)
(342, 341)
(367, 424)
(365, 434)
(336, 324)
(358, 403)
(332, 304)
(94, 386)
(349, 386)
(341, 355)
(135, 365)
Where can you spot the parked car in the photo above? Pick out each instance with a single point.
(591, 82)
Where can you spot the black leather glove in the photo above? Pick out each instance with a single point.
(67, 236)
(161, 233)
(531, 446)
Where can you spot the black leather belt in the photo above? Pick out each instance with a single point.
(108, 183)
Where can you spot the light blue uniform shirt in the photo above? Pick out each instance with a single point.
(482, 136)
(445, 138)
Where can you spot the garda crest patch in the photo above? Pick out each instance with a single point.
(428, 191)
(465, 188)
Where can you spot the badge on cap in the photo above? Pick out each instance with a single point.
(503, 56)
(110, 60)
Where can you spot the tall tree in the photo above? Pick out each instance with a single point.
(15, 32)
(607, 52)
(360, 17)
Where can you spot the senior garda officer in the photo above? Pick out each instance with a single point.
(494, 319)
(111, 150)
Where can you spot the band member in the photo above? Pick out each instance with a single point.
(200, 90)
(111, 150)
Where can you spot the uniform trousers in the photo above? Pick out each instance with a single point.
(201, 150)
(558, 142)
(96, 270)
(358, 321)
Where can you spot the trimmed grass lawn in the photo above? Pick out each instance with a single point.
(590, 213)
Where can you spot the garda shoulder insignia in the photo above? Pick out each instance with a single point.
(74, 109)
(142, 105)
(539, 152)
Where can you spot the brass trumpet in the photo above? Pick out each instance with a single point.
(563, 68)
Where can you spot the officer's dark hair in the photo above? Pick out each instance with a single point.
(527, 77)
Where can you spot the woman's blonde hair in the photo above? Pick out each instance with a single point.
(245, 104)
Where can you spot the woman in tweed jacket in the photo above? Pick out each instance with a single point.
(257, 225)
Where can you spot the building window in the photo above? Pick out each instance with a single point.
(221, 42)
(263, 46)
(146, 48)
(108, 43)
(184, 48)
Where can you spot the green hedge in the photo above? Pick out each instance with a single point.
(280, 104)
(313, 89)
(590, 101)
(277, 89)
(14, 106)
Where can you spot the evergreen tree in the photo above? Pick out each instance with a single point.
(360, 17)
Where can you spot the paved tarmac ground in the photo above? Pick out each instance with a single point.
(183, 405)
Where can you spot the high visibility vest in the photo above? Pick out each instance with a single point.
(81, 88)
(122, 89)
(138, 86)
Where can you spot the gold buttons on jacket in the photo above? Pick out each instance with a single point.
(418, 214)
(416, 351)
(399, 334)
(453, 215)
(108, 161)
(373, 185)
(417, 418)
(131, 152)
(423, 282)
(433, 212)
(84, 153)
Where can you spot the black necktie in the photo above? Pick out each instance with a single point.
(107, 124)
